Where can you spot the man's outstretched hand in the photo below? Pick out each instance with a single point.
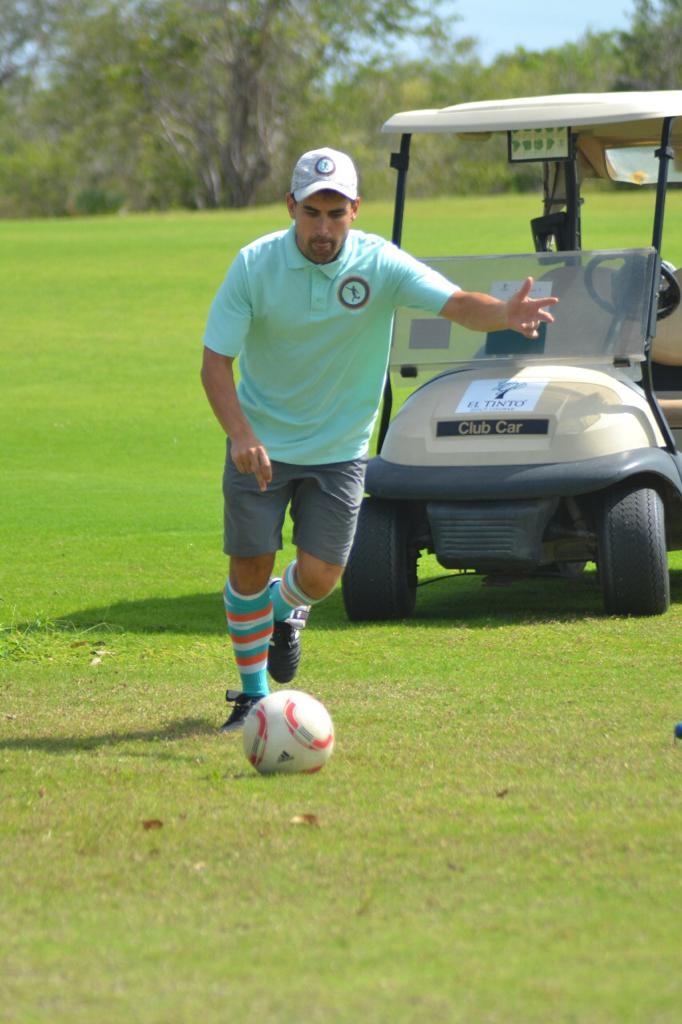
(524, 314)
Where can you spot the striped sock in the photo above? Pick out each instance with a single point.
(287, 595)
(249, 624)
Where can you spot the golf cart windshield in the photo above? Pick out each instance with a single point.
(602, 318)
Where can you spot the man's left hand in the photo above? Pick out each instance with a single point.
(526, 315)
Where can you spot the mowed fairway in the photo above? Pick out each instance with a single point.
(498, 835)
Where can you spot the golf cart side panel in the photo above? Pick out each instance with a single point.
(389, 480)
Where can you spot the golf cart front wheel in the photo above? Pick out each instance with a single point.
(380, 581)
(632, 553)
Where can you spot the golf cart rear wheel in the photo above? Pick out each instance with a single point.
(380, 581)
(632, 554)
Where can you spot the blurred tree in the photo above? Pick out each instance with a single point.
(202, 94)
(150, 104)
(257, 66)
(651, 48)
(449, 165)
(23, 24)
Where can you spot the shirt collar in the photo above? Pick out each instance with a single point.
(297, 261)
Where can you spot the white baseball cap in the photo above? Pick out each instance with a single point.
(321, 169)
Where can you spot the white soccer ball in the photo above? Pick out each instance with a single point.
(288, 731)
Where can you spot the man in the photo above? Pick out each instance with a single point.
(308, 311)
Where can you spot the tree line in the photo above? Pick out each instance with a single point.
(156, 104)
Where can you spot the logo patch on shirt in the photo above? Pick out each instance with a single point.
(353, 292)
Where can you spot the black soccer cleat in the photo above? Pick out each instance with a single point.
(243, 702)
(284, 652)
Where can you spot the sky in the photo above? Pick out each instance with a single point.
(500, 26)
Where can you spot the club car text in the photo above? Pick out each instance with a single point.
(491, 427)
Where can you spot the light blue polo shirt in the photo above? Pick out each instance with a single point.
(313, 339)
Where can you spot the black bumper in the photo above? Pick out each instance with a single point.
(487, 483)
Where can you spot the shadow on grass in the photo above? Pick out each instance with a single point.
(191, 614)
(188, 614)
(185, 729)
(441, 600)
(487, 601)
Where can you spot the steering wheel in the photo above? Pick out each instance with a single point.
(669, 294)
(601, 300)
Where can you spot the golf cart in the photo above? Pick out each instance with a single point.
(512, 458)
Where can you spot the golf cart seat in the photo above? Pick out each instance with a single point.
(667, 345)
(666, 357)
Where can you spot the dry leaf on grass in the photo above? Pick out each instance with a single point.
(305, 819)
(151, 823)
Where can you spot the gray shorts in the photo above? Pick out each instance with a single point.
(324, 503)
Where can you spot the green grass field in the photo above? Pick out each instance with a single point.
(498, 834)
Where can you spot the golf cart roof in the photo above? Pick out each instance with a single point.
(631, 116)
(616, 133)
